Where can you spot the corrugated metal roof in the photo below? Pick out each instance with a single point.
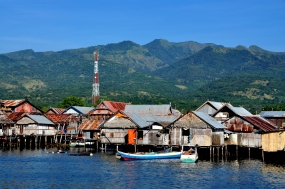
(90, 125)
(240, 111)
(115, 106)
(56, 110)
(15, 116)
(216, 105)
(40, 119)
(146, 115)
(209, 120)
(61, 118)
(4, 119)
(9, 103)
(103, 112)
(272, 114)
(260, 123)
(80, 109)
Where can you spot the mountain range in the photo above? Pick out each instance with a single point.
(185, 74)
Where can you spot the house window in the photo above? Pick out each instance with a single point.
(140, 135)
(185, 132)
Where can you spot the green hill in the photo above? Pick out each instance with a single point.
(185, 74)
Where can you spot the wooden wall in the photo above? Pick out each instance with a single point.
(150, 138)
(202, 137)
(249, 140)
(272, 142)
(218, 138)
(115, 136)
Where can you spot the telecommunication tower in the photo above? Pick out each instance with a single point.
(95, 85)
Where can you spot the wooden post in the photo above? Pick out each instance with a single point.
(262, 153)
(97, 147)
(248, 152)
(105, 148)
(218, 152)
(237, 151)
(117, 148)
(222, 151)
(226, 150)
(210, 152)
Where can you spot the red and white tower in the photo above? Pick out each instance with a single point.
(95, 85)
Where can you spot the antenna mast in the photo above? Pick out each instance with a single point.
(95, 85)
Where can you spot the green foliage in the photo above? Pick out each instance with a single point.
(71, 101)
(274, 107)
(184, 74)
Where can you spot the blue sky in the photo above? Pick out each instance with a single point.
(54, 25)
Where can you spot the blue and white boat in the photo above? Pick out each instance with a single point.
(149, 156)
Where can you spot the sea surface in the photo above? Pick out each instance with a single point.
(43, 169)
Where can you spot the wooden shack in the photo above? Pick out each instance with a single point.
(115, 130)
(247, 130)
(6, 125)
(35, 125)
(89, 129)
(197, 128)
(153, 123)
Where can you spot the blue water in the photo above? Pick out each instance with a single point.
(39, 169)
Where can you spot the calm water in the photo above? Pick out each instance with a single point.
(39, 169)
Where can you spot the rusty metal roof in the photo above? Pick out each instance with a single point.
(90, 125)
(111, 106)
(61, 118)
(115, 106)
(100, 111)
(4, 119)
(9, 103)
(260, 122)
(56, 110)
(15, 116)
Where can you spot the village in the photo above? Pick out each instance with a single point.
(219, 129)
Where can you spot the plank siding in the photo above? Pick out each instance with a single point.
(273, 142)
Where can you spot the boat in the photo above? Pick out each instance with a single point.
(149, 155)
(81, 154)
(190, 156)
(118, 155)
(77, 142)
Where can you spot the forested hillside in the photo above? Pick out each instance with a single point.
(184, 74)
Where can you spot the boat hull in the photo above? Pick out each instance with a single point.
(189, 158)
(149, 156)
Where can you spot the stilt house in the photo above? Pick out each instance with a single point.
(6, 125)
(35, 125)
(197, 128)
(246, 128)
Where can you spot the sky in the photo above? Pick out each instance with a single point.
(55, 25)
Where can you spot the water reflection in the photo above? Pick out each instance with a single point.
(40, 169)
